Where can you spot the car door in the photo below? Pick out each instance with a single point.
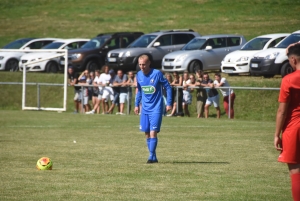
(126, 40)
(212, 58)
(111, 44)
(233, 43)
(180, 39)
(160, 51)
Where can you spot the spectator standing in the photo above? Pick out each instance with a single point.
(201, 95)
(177, 82)
(287, 120)
(73, 80)
(222, 82)
(120, 82)
(130, 83)
(116, 94)
(84, 92)
(89, 81)
(97, 85)
(187, 97)
(213, 95)
(94, 90)
(106, 82)
(150, 83)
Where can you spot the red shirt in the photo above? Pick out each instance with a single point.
(290, 93)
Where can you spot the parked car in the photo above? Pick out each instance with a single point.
(274, 61)
(238, 61)
(202, 53)
(10, 60)
(92, 55)
(156, 45)
(50, 65)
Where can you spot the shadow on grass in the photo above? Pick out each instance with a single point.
(200, 162)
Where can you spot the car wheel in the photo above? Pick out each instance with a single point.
(92, 66)
(195, 66)
(286, 69)
(12, 65)
(51, 67)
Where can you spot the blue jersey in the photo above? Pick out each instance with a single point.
(150, 91)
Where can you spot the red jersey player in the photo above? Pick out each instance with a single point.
(288, 120)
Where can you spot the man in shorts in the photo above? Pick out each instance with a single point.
(120, 82)
(212, 95)
(150, 83)
(84, 95)
(288, 120)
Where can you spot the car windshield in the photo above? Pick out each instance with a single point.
(195, 44)
(54, 45)
(96, 42)
(293, 38)
(17, 44)
(256, 44)
(143, 41)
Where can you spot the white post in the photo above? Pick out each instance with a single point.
(24, 88)
(65, 81)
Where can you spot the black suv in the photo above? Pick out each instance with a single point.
(92, 54)
(156, 45)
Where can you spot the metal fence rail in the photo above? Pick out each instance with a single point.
(128, 104)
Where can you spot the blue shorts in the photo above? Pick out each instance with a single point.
(150, 122)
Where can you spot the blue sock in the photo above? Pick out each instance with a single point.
(148, 143)
(152, 148)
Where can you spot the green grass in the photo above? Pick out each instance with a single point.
(77, 18)
(198, 159)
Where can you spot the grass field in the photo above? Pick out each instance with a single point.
(85, 19)
(198, 159)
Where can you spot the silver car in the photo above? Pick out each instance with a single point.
(156, 45)
(202, 53)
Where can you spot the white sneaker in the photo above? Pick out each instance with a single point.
(90, 112)
(169, 115)
(118, 113)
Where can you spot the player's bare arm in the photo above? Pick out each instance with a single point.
(280, 117)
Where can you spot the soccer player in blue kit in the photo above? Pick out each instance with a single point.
(150, 83)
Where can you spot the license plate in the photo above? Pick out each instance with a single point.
(253, 65)
(62, 62)
(112, 59)
(167, 64)
(228, 71)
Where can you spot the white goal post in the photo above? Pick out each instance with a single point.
(58, 53)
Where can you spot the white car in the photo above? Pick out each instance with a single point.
(50, 65)
(238, 61)
(10, 60)
(274, 61)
